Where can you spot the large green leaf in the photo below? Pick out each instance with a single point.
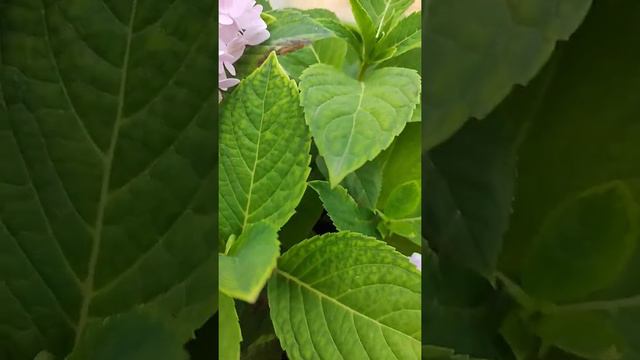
(461, 310)
(264, 151)
(246, 267)
(353, 121)
(584, 135)
(343, 210)
(578, 251)
(479, 49)
(132, 335)
(105, 104)
(229, 334)
(585, 129)
(590, 335)
(470, 180)
(321, 300)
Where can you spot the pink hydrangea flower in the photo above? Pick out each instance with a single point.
(416, 259)
(239, 25)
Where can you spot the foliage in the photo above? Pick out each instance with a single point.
(533, 213)
(312, 125)
(104, 252)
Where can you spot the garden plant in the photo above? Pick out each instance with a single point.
(319, 185)
(532, 191)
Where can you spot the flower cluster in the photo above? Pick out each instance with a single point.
(416, 259)
(239, 25)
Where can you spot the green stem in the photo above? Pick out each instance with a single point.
(516, 292)
(363, 69)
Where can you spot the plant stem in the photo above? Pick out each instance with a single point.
(363, 69)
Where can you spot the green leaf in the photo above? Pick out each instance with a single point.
(105, 105)
(461, 310)
(264, 151)
(471, 181)
(406, 36)
(402, 163)
(351, 121)
(330, 51)
(343, 210)
(290, 30)
(246, 268)
(578, 250)
(590, 335)
(479, 49)
(321, 300)
(402, 211)
(341, 30)
(439, 353)
(605, 147)
(43, 355)
(365, 184)
(384, 13)
(521, 339)
(229, 334)
(295, 25)
(301, 224)
(266, 347)
(365, 25)
(129, 336)
(266, 4)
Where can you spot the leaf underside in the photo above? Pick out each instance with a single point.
(99, 113)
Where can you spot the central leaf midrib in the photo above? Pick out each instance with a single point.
(353, 128)
(104, 191)
(347, 308)
(255, 160)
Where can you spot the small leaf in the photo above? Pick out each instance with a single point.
(295, 25)
(401, 164)
(327, 288)
(402, 211)
(43, 355)
(343, 210)
(365, 184)
(249, 263)
(134, 335)
(264, 151)
(291, 30)
(229, 334)
(406, 36)
(330, 51)
(439, 353)
(366, 26)
(578, 250)
(384, 13)
(351, 121)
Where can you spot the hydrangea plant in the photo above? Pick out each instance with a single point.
(317, 217)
